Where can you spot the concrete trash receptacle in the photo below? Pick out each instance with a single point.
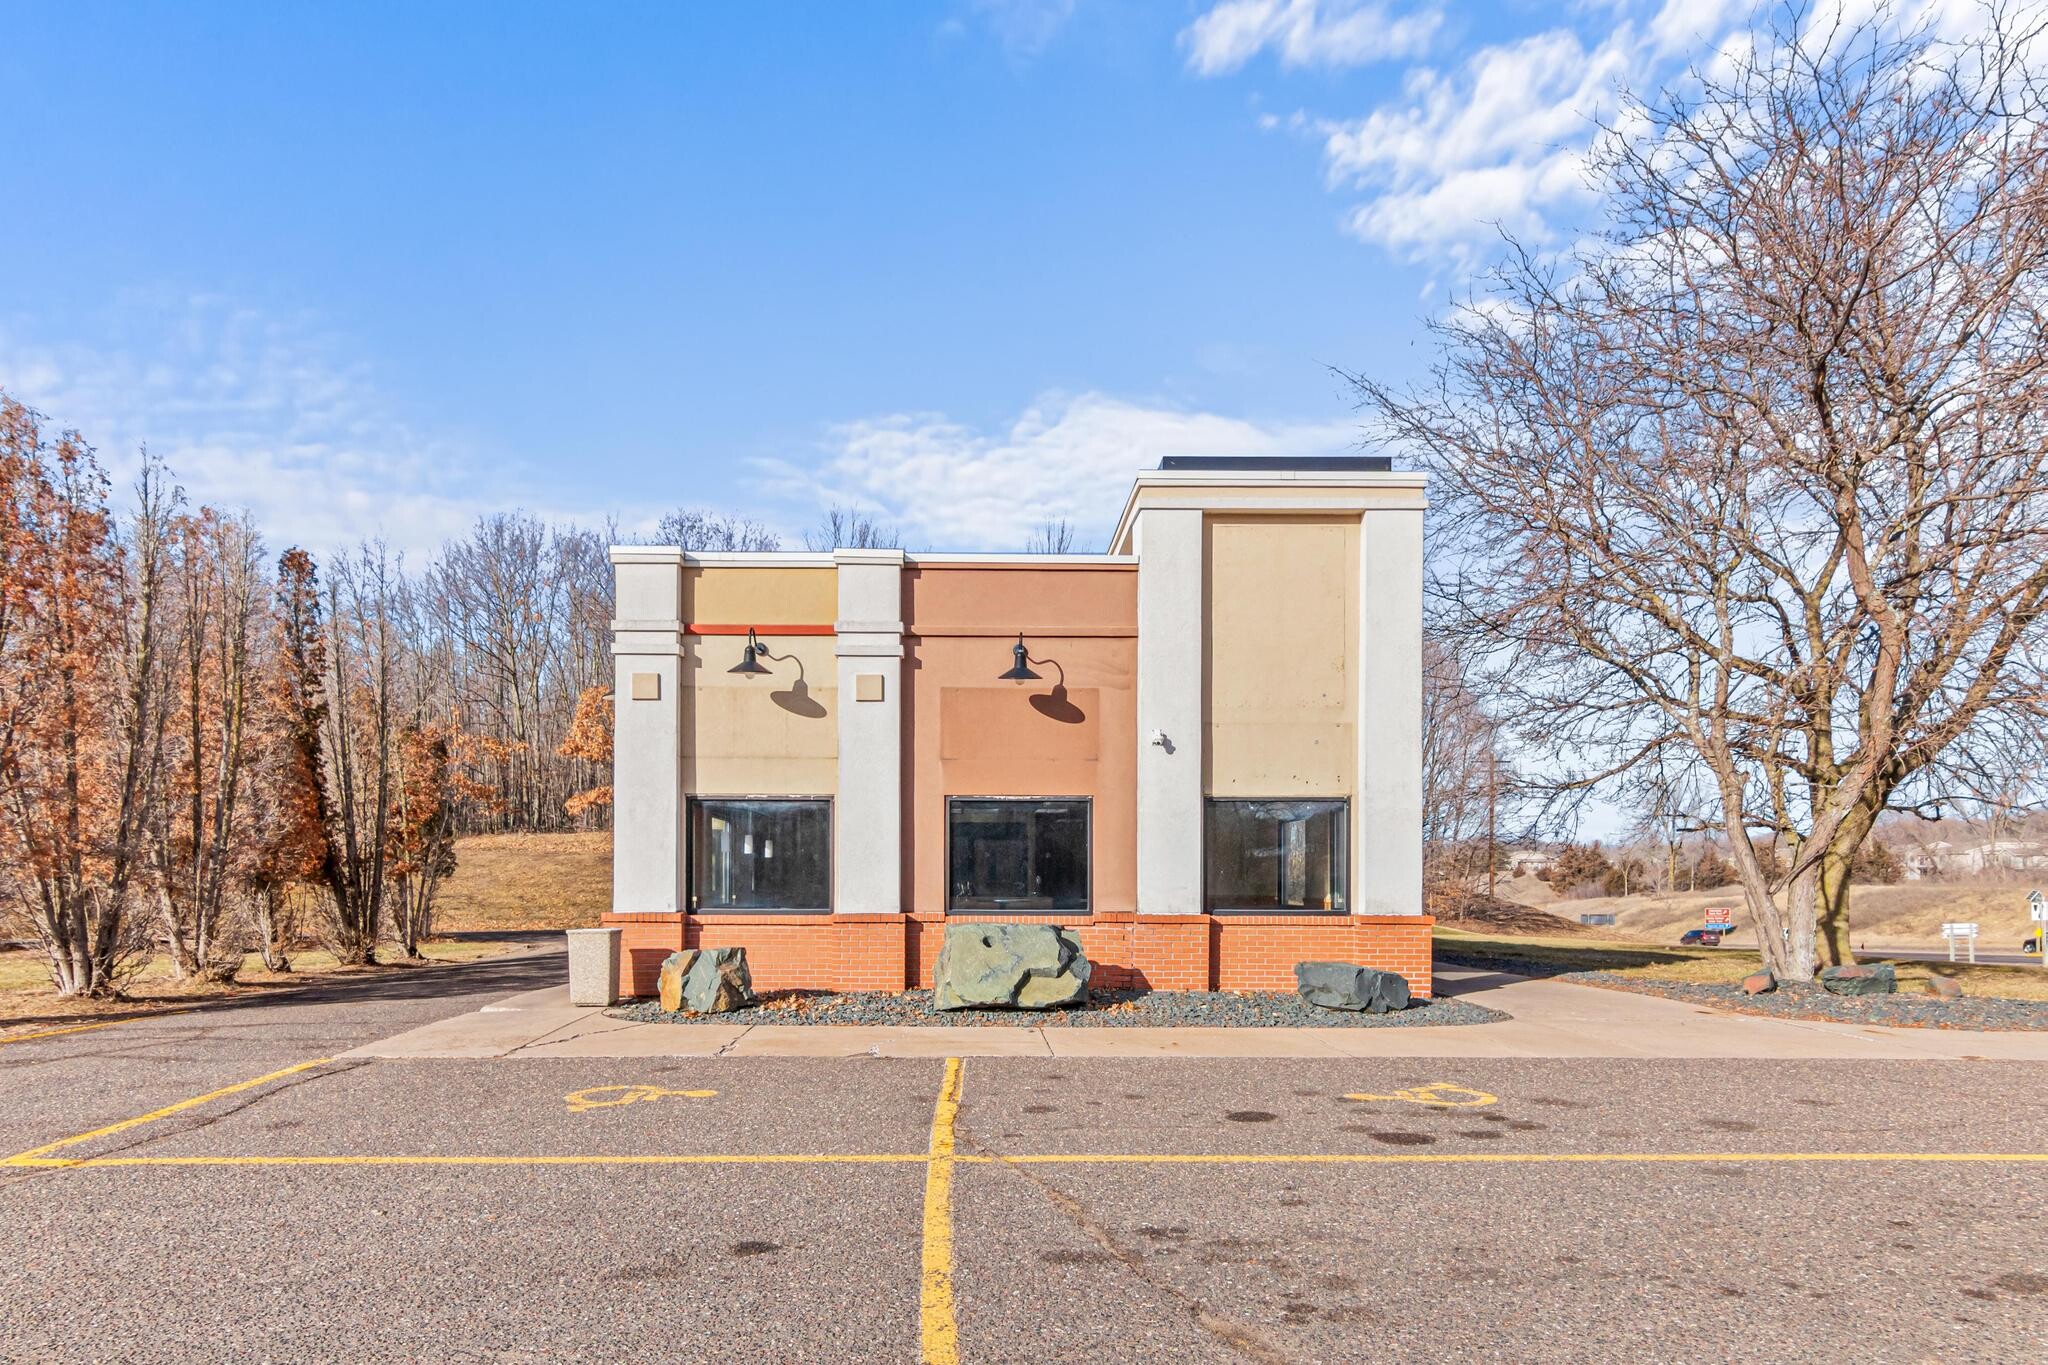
(594, 966)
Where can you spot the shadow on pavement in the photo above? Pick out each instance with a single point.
(442, 981)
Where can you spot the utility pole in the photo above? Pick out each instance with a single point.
(1492, 794)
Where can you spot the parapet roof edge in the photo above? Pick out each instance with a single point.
(1263, 479)
(825, 559)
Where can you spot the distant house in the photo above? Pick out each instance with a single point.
(1943, 858)
(1529, 862)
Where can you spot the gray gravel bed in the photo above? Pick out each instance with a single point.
(1107, 1009)
(1798, 1001)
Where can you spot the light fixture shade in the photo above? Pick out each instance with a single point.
(1020, 670)
(748, 654)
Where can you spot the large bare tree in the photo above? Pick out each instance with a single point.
(1756, 480)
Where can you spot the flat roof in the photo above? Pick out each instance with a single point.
(1321, 464)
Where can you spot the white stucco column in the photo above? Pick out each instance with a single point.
(1170, 666)
(1386, 845)
(647, 755)
(867, 816)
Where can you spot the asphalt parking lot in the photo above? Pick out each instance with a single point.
(996, 1209)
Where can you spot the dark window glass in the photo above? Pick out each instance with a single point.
(760, 855)
(1278, 855)
(1017, 855)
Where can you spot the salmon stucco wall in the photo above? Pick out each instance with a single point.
(1281, 597)
(971, 735)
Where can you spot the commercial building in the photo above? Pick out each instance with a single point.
(1201, 751)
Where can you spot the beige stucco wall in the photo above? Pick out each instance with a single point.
(759, 596)
(1282, 652)
(760, 736)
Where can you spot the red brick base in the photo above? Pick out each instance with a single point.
(1158, 952)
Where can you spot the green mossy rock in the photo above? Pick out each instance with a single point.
(706, 981)
(1859, 980)
(1348, 986)
(1009, 966)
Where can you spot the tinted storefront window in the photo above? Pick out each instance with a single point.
(760, 855)
(1017, 854)
(1278, 855)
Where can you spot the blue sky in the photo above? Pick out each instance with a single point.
(373, 269)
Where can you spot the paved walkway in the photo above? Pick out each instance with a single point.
(1551, 1019)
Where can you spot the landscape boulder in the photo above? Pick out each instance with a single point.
(706, 981)
(1947, 987)
(1009, 966)
(1860, 980)
(1347, 986)
(1759, 983)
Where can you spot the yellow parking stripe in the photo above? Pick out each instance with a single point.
(23, 1158)
(578, 1159)
(939, 1330)
(1483, 1158)
(87, 1028)
(939, 1233)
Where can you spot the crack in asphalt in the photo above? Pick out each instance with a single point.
(1229, 1332)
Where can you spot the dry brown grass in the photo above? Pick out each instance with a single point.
(28, 1001)
(1909, 915)
(527, 881)
(1656, 962)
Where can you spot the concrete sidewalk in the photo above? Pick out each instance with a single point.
(1551, 1019)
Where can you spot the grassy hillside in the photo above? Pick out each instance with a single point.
(1713, 965)
(1907, 915)
(527, 881)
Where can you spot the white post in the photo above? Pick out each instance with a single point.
(647, 755)
(867, 816)
(1386, 858)
(1171, 713)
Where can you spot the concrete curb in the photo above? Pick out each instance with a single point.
(1551, 1019)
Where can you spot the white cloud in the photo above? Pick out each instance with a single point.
(1498, 142)
(1025, 28)
(1499, 138)
(1329, 33)
(254, 413)
(950, 486)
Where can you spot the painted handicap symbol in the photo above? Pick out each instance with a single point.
(1438, 1095)
(612, 1096)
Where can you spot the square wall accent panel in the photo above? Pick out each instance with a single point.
(647, 687)
(867, 686)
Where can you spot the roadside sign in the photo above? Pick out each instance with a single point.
(1960, 931)
(2037, 906)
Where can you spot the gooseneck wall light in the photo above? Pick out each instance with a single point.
(750, 655)
(1020, 669)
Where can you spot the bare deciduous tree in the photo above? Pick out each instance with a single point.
(203, 825)
(1053, 536)
(81, 701)
(1758, 480)
(691, 529)
(848, 528)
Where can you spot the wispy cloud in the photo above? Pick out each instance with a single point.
(1301, 33)
(1499, 138)
(258, 413)
(1067, 456)
(1024, 28)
